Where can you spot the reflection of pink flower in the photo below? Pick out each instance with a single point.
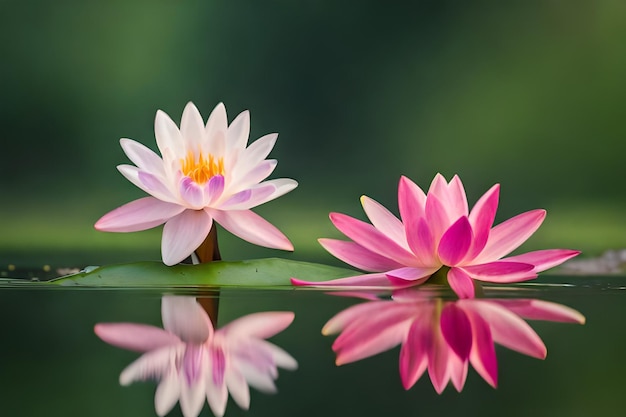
(443, 337)
(206, 174)
(192, 362)
(438, 233)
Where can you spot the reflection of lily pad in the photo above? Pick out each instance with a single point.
(273, 272)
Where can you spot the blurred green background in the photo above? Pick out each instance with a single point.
(530, 94)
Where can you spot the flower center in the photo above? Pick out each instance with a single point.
(440, 277)
(201, 169)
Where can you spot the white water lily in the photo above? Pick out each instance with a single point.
(192, 362)
(206, 173)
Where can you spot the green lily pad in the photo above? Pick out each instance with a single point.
(272, 272)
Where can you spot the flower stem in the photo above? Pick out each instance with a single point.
(209, 251)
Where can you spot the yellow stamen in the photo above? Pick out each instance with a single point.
(201, 169)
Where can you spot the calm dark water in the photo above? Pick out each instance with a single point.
(51, 363)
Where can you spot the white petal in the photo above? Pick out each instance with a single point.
(192, 128)
(148, 182)
(167, 394)
(258, 150)
(258, 325)
(217, 396)
(184, 317)
(151, 365)
(238, 131)
(192, 397)
(142, 156)
(238, 388)
(167, 135)
(258, 379)
(216, 128)
(183, 234)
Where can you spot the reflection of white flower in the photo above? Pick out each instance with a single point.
(206, 173)
(192, 362)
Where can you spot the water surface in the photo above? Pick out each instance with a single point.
(51, 363)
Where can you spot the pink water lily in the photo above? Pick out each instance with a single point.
(437, 234)
(443, 337)
(192, 362)
(207, 173)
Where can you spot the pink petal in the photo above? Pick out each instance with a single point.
(167, 135)
(147, 182)
(383, 220)
(192, 127)
(192, 363)
(509, 235)
(184, 234)
(218, 364)
(136, 337)
(453, 198)
(144, 213)
(381, 332)
(357, 256)
(481, 219)
(260, 194)
(370, 345)
(371, 238)
(411, 200)
(456, 330)
(544, 259)
(458, 372)
(154, 185)
(191, 193)
(367, 280)
(438, 187)
(422, 243)
(483, 354)
(238, 131)
(259, 325)
(413, 274)
(461, 283)
(414, 351)
(213, 189)
(455, 242)
(340, 320)
(542, 310)
(436, 217)
(508, 329)
(501, 272)
(237, 199)
(142, 156)
(184, 317)
(439, 361)
(251, 227)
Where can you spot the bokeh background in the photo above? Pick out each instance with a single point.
(529, 94)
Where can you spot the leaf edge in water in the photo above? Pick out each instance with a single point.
(259, 273)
